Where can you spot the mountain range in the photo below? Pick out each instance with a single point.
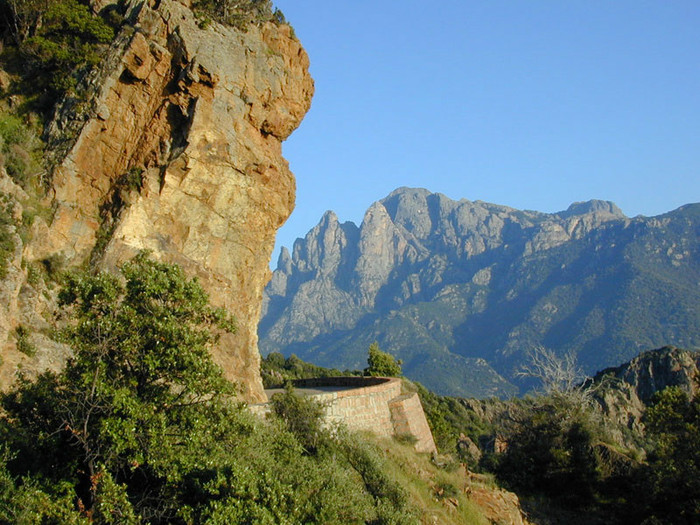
(462, 291)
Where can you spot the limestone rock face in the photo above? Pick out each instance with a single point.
(196, 116)
(461, 290)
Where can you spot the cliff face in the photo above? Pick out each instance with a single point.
(460, 290)
(629, 388)
(180, 154)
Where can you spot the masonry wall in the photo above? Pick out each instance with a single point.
(363, 408)
(375, 404)
(408, 418)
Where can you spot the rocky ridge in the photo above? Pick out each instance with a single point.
(178, 151)
(460, 290)
(625, 391)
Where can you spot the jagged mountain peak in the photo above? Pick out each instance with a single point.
(592, 206)
(461, 289)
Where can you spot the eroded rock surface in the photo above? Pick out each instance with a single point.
(629, 388)
(181, 155)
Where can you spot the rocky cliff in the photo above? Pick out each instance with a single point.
(460, 290)
(177, 151)
(624, 392)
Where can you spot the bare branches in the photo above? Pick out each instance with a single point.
(559, 376)
(556, 374)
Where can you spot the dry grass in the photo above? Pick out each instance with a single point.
(440, 493)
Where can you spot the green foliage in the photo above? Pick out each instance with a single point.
(673, 421)
(303, 417)
(238, 13)
(66, 42)
(132, 180)
(276, 370)
(138, 389)
(55, 42)
(24, 345)
(382, 364)
(549, 449)
(141, 427)
(112, 505)
(448, 418)
(20, 148)
(390, 498)
(25, 502)
(7, 241)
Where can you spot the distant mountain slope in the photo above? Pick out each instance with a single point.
(461, 290)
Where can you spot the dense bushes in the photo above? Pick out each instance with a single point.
(20, 150)
(141, 427)
(303, 417)
(673, 423)
(381, 364)
(550, 449)
(276, 370)
(50, 44)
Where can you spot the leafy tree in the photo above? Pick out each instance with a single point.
(303, 417)
(381, 363)
(134, 398)
(66, 41)
(52, 44)
(673, 421)
(549, 449)
(141, 426)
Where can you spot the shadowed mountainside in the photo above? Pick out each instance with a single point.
(462, 290)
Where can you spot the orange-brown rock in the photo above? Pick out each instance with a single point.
(498, 505)
(202, 112)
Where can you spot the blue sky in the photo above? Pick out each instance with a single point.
(531, 104)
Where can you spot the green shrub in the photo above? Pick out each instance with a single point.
(391, 500)
(673, 421)
(382, 364)
(132, 180)
(53, 266)
(52, 45)
(275, 370)
(7, 241)
(141, 427)
(445, 490)
(549, 449)
(24, 345)
(20, 148)
(238, 13)
(303, 417)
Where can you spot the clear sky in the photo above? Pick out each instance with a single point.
(533, 104)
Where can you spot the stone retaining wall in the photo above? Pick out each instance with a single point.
(376, 404)
(409, 419)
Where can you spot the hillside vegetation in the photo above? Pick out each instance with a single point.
(620, 448)
(141, 427)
